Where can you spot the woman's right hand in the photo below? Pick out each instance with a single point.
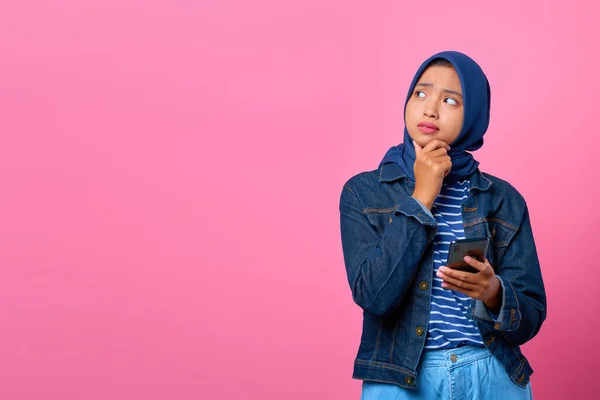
(432, 164)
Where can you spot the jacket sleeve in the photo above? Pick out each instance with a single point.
(381, 266)
(523, 308)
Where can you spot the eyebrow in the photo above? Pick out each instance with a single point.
(427, 84)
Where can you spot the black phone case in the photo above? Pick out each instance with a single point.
(475, 248)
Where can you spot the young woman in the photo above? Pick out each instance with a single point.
(431, 332)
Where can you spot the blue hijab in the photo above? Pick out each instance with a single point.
(476, 98)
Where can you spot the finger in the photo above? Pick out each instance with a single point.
(442, 159)
(468, 277)
(456, 282)
(478, 265)
(436, 144)
(441, 167)
(447, 167)
(441, 152)
(449, 286)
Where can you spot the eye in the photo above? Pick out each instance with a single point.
(419, 94)
(451, 101)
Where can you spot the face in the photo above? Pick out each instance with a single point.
(435, 108)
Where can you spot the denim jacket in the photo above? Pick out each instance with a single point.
(387, 241)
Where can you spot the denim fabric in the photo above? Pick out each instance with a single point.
(387, 241)
(466, 373)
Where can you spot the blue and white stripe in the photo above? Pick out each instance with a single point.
(449, 325)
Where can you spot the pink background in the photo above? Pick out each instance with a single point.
(171, 171)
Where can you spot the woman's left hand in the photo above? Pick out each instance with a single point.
(484, 285)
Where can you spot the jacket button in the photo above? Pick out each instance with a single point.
(454, 358)
(419, 331)
(423, 285)
(408, 380)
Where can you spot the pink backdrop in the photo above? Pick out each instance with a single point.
(171, 171)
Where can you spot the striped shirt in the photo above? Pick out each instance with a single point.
(449, 325)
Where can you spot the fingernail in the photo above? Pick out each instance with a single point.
(468, 259)
(442, 269)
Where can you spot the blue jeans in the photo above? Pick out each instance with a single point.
(463, 373)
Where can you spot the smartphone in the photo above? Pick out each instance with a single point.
(475, 248)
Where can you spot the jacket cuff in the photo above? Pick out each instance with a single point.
(509, 317)
(424, 208)
(411, 207)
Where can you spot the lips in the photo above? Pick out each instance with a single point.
(427, 127)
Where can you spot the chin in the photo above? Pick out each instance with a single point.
(423, 140)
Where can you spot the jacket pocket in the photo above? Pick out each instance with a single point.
(500, 234)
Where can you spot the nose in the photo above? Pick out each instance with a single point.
(430, 109)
